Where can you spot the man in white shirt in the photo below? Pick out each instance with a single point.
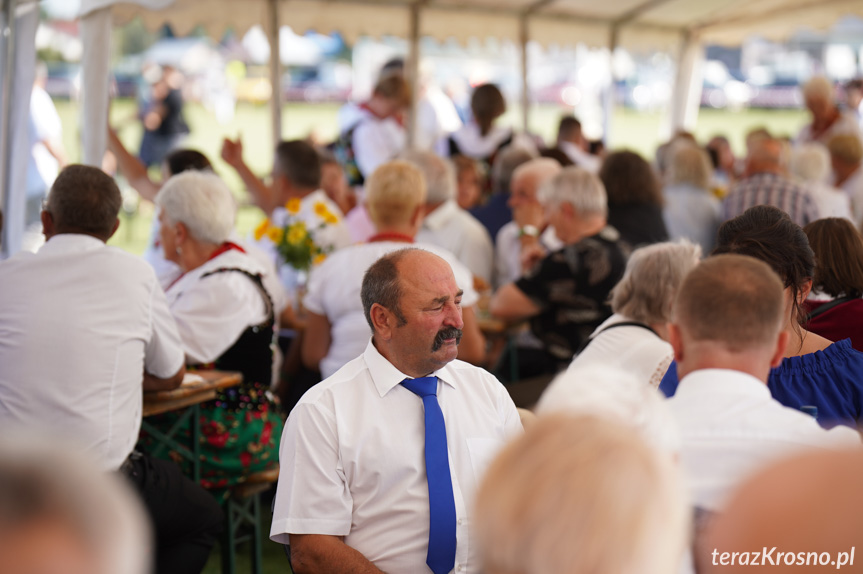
(361, 449)
(446, 224)
(83, 328)
(336, 330)
(528, 227)
(296, 176)
(726, 332)
(571, 141)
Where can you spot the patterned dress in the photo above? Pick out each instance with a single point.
(241, 428)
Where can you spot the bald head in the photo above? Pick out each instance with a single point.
(733, 301)
(530, 176)
(765, 156)
(810, 504)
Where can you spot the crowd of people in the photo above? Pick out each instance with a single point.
(691, 320)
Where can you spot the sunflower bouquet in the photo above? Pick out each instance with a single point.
(294, 240)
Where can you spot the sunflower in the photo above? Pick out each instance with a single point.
(276, 234)
(261, 229)
(293, 206)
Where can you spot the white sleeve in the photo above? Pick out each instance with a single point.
(477, 253)
(318, 279)
(163, 353)
(312, 495)
(503, 256)
(371, 147)
(212, 314)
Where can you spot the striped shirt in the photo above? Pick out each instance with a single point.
(771, 189)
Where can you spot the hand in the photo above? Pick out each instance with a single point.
(531, 254)
(528, 213)
(232, 151)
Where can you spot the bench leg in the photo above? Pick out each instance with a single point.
(229, 543)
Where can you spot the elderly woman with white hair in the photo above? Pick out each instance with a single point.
(691, 211)
(565, 293)
(580, 494)
(810, 163)
(827, 119)
(225, 317)
(635, 338)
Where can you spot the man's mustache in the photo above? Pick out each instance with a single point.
(444, 334)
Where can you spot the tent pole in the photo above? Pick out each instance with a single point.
(275, 70)
(8, 32)
(611, 91)
(413, 73)
(523, 38)
(685, 98)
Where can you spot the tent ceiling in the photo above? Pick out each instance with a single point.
(641, 23)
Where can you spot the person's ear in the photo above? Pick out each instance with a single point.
(779, 350)
(182, 233)
(676, 341)
(383, 321)
(805, 289)
(47, 224)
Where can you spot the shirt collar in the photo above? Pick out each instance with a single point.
(71, 243)
(441, 216)
(386, 376)
(724, 381)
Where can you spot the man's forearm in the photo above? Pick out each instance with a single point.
(154, 383)
(262, 196)
(321, 554)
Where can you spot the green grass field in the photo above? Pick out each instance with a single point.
(630, 129)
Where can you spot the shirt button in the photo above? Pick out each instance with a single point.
(460, 521)
(461, 567)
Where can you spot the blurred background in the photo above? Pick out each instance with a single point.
(226, 86)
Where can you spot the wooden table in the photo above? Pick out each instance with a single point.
(197, 387)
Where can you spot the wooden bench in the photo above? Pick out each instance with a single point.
(243, 519)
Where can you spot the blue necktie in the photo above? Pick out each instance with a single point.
(442, 521)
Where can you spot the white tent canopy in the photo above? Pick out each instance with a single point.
(683, 26)
(641, 23)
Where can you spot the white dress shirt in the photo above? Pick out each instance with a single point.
(472, 143)
(334, 292)
(376, 141)
(507, 247)
(630, 348)
(453, 228)
(581, 158)
(80, 322)
(353, 463)
(212, 312)
(845, 124)
(730, 427)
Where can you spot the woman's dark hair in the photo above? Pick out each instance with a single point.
(838, 248)
(187, 160)
(487, 104)
(767, 233)
(629, 179)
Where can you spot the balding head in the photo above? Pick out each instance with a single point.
(765, 156)
(413, 305)
(811, 504)
(529, 177)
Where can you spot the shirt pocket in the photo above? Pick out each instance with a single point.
(482, 452)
